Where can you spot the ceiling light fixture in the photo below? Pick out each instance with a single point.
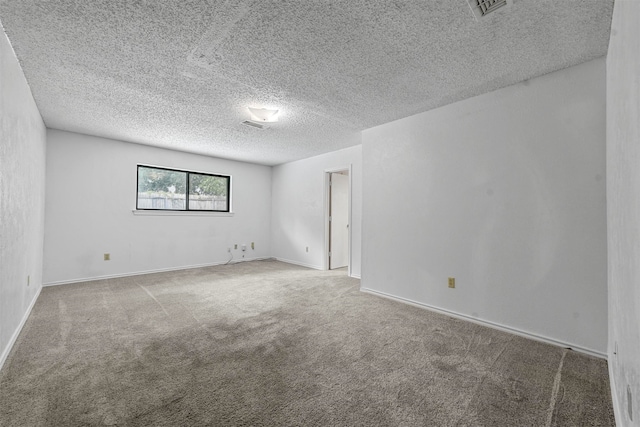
(263, 115)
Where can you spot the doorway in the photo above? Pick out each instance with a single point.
(338, 250)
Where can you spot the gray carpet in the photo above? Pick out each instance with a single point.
(271, 344)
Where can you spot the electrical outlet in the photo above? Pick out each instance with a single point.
(452, 282)
(253, 245)
(107, 257)
(244, 247)
(307, 248)
(235, 246)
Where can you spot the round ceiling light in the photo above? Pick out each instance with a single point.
(263, 115)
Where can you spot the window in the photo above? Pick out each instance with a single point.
(167, 189)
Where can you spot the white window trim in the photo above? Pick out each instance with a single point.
(160, 212)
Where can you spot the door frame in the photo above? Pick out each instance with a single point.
(327, 211)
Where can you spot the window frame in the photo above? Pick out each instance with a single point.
(187, 173)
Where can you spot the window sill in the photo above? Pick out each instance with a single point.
(179, 213)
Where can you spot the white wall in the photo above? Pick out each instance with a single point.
(91, 192)
(22, 163)
(623, 208)
(299, 205)
(506, 193)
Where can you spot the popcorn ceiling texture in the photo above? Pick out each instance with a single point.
(180, 74)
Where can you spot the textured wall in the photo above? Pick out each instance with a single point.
(299, 207)
(623, 208)
(91, 192)
(22, 162)
(506, 193)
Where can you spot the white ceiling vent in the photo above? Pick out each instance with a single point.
(255, 125)
(481, 8)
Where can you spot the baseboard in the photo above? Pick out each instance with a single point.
(159, 270)
(16, 333)
(315, 267)
(301, 264)
(489, 324)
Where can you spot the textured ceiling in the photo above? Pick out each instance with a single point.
(180, 74)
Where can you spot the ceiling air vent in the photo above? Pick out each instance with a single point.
(255, 125)
(481, 8)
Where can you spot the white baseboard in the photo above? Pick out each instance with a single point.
(301, 264)
(315, 267)
(16, 333)
(490, 324)
(159, 270)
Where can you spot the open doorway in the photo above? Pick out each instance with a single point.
(338, 214)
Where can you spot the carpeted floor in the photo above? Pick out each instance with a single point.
(271, 344)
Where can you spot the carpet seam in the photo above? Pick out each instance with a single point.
(555, 390)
